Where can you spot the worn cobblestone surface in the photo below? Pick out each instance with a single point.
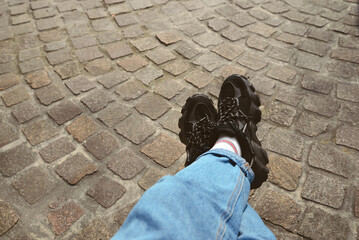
(91, 92)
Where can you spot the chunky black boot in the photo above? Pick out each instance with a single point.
(238, 114)
(196, 124)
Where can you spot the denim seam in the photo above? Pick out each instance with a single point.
(234, 204)
(229, 210)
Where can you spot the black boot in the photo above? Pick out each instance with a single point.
(196, 124)
(238, 114)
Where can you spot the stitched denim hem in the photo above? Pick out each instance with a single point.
(240, 161)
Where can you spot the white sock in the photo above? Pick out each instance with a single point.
(228, 143)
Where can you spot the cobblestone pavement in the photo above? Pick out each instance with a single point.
(91, 93)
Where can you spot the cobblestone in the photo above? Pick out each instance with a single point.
(144, 106)
(144, 44)
(169, 88)
(327, 223)
(149, 178)
(49, 94)
(101, 144)
(199, 79)
(87, 54)
(322, 105)
(44, 13)
(83, 41)
(118, 49)
(114, 114)
(47, 24)
(281, 113)
(348, 92)
(242, 19)
(321, 35)
(126, 164)
(64, 111)
(234, 34)
(97, 229)
(176, 67)
(68, 69)
(59, 56)
(251, 61)
(315, 189)
(7, 68)
(314, 47)
(52, 35)
(135, 128)
(16, 159)
(74, 168)
(187, 50)
(15, 96)
(285, 142)
(209, 61)
(82, 128)
(39, 131)
(281, 54)
(170, 120)
(279, 209)
(98, 67)
(34, 184)
(56, 149)
(168, 37)
(289, 38)
(113, 78)
(62, 219)
(31, 65)
(164, 150)
(97, 100)
(326, 157)
(311, 125)
(277, 7)
(316, 83)
(130, 90)
(160, 55)
(8, 217)
(346, 136)
(283, 74)
(8, 80)
(257, 43)
(106, 192)
(80, 84)
(308, 62)
(207, 39)
(263, 85)
(284, 172)
(25, 111)
(289, 95)
(132, 64)
(349, 113)
(263, 30)
(29, 54)
(38, 79)
(108, 37)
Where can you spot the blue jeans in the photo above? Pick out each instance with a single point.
(206, 200)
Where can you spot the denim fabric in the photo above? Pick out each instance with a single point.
(206, 200)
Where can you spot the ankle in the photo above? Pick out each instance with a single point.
(228, 143)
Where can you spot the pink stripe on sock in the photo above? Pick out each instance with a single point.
(231, 144)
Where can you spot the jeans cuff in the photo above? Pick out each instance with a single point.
(238, 160)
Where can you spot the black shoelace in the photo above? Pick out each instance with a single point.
(229, 112)
(201, 132)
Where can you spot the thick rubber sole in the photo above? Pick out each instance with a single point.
(191, 101)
